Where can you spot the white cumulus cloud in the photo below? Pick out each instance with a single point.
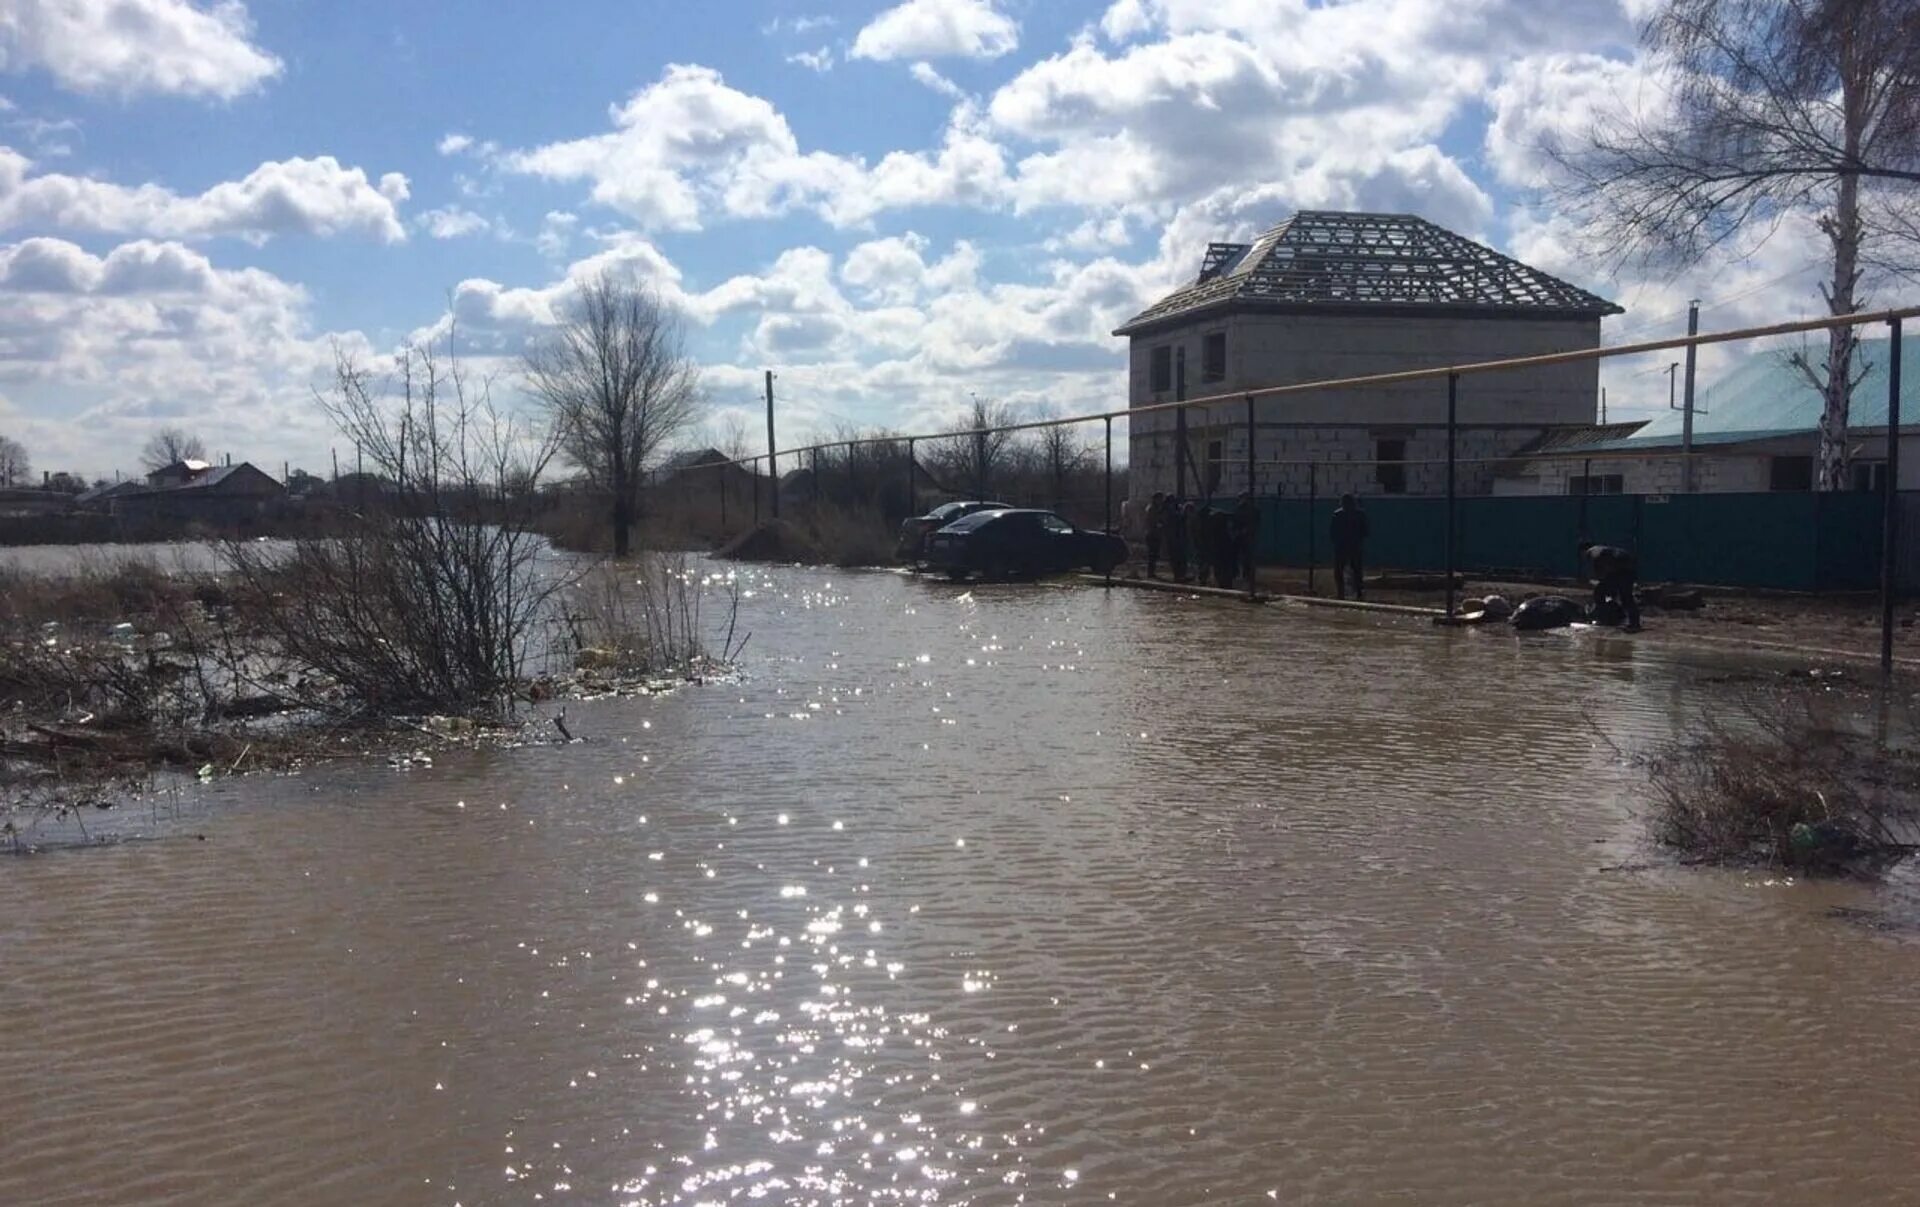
(136, 47)
(102, 349)
(317, 196)
(926, 29)
(690, 146)
(452, 222)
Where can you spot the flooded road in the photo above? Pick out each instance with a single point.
(1042, 895)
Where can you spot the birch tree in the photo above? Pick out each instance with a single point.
(1778, 108)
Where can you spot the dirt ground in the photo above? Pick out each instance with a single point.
(1828, 625)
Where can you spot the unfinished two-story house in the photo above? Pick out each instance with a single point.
(1329, 295)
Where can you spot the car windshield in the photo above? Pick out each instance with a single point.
(954, 510)
(976, 520)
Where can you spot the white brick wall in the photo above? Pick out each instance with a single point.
(1325, 461)
(1266, 350)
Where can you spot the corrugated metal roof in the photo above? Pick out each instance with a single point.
(1763, 395)
(1569, 439)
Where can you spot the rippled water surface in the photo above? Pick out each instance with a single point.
(1040, 895)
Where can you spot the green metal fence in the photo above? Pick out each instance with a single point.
(1784, 541)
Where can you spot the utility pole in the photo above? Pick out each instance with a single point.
(1686, 417)
(1603, 406)
(773, 466)
(1180, 423)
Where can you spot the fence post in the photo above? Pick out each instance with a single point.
(1453, 399)
(911, 484)
(1890, 504)
(816, 475)
(1253, 552)
(1180, 453)
(720, 476)
(1586, 488)
(1109, 475)
(1313, 497)
(980, 464)
(755, 468)
(1180, 423)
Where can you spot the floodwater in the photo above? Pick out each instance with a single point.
(1023, 894)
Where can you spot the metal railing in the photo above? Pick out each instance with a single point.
(1246, 401)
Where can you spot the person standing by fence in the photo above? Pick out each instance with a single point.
(1246, 532)
(1179, 524)
(1157, 509)
(1223, 546)
(1350, 531)
(1199, 546)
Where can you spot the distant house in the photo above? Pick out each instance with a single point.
(34, 501)
(1756, 429)
(177, 474)
(100, 498)
(677, 464)
(700, 473)
(195, 492)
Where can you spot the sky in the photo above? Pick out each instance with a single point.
(894, 206)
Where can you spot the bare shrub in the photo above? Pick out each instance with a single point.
(1780, 783)
(650, 619)
(427, 602)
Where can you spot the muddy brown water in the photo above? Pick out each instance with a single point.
(1043, 895)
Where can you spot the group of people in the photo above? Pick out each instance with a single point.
(1201, 542)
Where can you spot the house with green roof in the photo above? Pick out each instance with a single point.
(1755, 428)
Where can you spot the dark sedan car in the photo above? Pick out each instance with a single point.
(914, 532)
(1002, 543)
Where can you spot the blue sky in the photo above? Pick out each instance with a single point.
(893, 204)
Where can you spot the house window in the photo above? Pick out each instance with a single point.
(1869, 476)
(1215, 454)
(1388, 454)
(1213, 357)
(1790, 473)
(1596, 484)
(1161, 377)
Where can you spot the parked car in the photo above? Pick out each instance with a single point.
(1023, 542)
(914, 532)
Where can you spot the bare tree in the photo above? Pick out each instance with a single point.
(978, 445)
(617, 383)
(172, 444)
(1063, 453)
(1779, 107)
(13, 462)
(730, 436)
